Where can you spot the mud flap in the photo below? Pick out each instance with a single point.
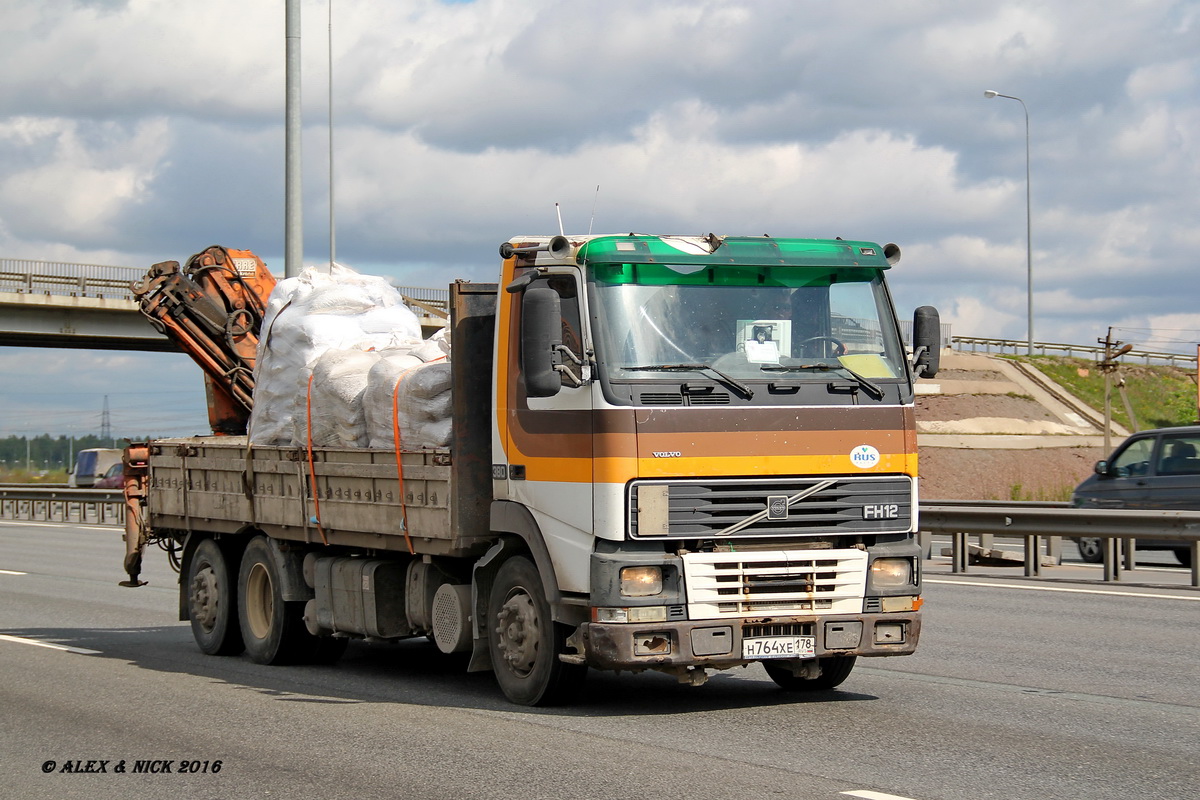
(482, 576)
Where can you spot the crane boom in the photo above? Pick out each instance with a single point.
(213, 310)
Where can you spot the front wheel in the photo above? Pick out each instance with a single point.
(834, 670)
(524, 640)
(1184, 554)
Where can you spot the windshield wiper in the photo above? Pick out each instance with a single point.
(871, 388)
(742, 388)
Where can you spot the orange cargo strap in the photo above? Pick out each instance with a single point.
(312, 470)
(396, 448)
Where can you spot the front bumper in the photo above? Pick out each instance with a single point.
(717, 643)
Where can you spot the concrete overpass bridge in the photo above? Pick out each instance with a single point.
(91, 307)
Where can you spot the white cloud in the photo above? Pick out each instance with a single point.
(1161, 79)
(83, 176)
(135, 131)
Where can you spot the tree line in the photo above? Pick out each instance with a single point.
(48, 452)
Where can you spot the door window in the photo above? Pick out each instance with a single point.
(1179, 455)
(1134, 460)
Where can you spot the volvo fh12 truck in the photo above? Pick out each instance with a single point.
(670, 453)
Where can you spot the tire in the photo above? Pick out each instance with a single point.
(212, 602)
(1091, 550)
(1184, 554)
(524, 641)
(272, 629)
(834, 670)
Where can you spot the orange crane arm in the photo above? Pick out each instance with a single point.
(213, 310)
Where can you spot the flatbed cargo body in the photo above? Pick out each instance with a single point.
(222, 484)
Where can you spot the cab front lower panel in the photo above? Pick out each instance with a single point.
(728, 643)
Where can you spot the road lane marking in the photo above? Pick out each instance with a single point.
(867, 794)
(1064, 589)
(11, 572)
(66, 648)
(73, 525)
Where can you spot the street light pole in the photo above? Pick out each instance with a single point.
(988, 93)
(293, 207)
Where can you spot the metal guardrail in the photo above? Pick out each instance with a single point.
(25, 276)
(1031, 521)
(906, 333)
(1034, 521)
(1089, 351)
(60, 504)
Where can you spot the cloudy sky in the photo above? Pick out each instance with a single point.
(133, 131)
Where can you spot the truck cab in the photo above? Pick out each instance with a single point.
(713, 439)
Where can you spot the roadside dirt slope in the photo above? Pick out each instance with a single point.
(975, 396)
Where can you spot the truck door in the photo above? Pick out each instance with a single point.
(549, 438)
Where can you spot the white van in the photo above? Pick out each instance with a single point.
(91, 464)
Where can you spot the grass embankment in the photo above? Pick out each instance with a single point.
(37, 476)
(1161, 396)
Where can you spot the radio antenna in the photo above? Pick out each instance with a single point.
(595, 197)
(558, 211)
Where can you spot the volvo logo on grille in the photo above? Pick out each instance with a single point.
(777, 506)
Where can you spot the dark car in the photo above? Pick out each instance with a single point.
(1151, 469)
(111, 479)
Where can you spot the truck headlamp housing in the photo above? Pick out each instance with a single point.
(641, 581)
(891, 572)
(634, 614)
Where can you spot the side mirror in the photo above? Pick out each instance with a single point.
(1102, 468)
(541, 333)
(927, 341)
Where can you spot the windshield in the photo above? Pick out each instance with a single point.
(750, 322)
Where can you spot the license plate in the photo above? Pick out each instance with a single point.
(779, 647)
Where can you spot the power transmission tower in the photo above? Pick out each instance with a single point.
(106, 422)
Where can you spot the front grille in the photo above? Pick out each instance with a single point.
(781, 629)
(706, 508)
(774, 583)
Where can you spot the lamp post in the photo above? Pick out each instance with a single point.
(989, 93)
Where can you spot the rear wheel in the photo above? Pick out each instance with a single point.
(834, 670)
(1091, 550)
(212, 602)
(524, 640)
(272, 628)
(1184, 554)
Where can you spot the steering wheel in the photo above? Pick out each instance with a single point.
(839, 349)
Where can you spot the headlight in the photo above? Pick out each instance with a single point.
(891, 572)
(641, 581)
(635, 614)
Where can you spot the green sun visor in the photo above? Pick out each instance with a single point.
(730, 251)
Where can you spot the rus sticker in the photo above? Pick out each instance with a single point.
(864, 456)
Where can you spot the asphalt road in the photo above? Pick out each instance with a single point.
(1057, 689)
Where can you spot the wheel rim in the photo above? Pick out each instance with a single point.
(203, 598)
(260, 601)
(519, 632)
